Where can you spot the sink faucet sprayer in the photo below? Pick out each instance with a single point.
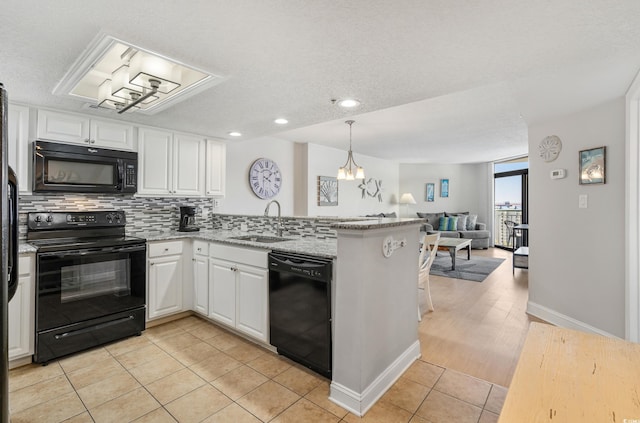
(266, 213)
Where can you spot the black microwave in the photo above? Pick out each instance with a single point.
(73, 168)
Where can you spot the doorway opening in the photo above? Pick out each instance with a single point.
(511, 194)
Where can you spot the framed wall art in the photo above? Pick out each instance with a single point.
(327, 191)
(444, 188)
(592, 163)
(431, 192)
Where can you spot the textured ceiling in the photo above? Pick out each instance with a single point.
(439, 80)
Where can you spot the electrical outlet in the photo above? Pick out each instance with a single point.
(216, 203)
(244, 227)
(582, 201)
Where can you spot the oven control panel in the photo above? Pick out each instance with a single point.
(67, 220)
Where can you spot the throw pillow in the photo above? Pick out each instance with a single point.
(432, 219)
(448, 223)
(462, 222)
(471, 222)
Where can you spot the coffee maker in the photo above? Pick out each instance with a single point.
(188, 219)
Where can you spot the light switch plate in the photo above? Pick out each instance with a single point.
(582, 201)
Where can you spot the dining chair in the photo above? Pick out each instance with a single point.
(513, 235)
(428, 252)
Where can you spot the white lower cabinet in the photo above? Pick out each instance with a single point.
(238, 284)
(22, 310)
(164, 279)
(201, 277)
(222, 291)
(252, 313)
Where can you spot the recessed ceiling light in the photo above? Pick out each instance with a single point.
(348, 103)
(235, 134)
(281, 121)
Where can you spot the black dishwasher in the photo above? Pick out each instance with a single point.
(300, 309)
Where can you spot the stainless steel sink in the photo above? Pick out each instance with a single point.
(260, 238)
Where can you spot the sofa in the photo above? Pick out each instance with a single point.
(464, 225)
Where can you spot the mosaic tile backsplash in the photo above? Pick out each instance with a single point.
(146, 214)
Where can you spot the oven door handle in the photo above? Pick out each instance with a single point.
(75, 253)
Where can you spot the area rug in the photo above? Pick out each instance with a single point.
(476, 269)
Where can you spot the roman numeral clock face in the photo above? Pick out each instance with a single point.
(265, 178)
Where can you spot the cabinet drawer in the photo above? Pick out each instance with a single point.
(241, 255)
(24, 265)
(165, 248)
(201, 248)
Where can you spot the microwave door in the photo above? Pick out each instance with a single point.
(66, 172)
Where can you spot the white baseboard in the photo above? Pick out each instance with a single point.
(360, 403)
(559, 319)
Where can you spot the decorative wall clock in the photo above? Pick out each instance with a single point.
(549, 148)
(265, 178)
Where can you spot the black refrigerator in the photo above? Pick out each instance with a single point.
(9, 274)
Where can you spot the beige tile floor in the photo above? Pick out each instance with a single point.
(191, 370)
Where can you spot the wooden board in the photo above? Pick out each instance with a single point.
(569, 376)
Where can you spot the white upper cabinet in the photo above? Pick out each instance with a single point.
(216, 167)
(155, 176)
(80, 129)
(19, 149)
(188, 165)
(170, 164)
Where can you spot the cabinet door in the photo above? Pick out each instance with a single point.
(63, 127)
(111, 134)
(252, 302)
(19, 320)
(22, 311)
(154, 162)
(19, 149)
(188, 165)
(216, 167)
(165, 286)
(222, 291)
(201, 284)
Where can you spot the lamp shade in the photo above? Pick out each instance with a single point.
(407, 198)
(145, 67)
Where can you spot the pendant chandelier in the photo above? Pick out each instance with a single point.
(346, 171)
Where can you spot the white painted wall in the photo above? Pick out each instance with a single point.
(325, 161)
(239, 198)
(300, 165)
(469, 189)
(577, 266)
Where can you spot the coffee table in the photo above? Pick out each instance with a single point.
(453, 245)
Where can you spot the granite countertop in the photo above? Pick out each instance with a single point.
(26, 248)
(295, 244)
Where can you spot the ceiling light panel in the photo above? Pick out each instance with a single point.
(115, 75)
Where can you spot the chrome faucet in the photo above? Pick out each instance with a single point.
(266, 213)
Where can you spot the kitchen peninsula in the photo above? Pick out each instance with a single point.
(374, 299)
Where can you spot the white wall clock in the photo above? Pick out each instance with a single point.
(265, 178)
(549, 148)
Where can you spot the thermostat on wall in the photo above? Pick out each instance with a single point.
(558, 173)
